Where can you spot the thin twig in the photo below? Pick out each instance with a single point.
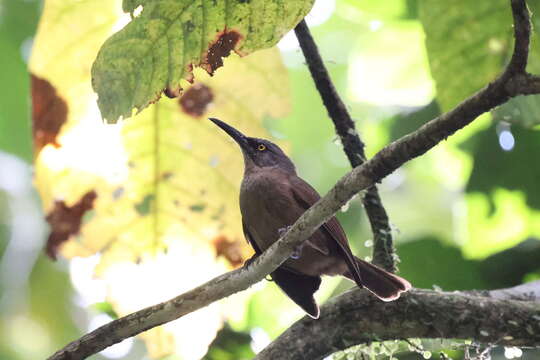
(514, 81)
(383, 248)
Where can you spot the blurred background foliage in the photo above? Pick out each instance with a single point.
(466, 215)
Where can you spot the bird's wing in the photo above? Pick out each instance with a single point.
(306, 196)
(299, 287)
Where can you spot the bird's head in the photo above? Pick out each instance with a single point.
(257, 152)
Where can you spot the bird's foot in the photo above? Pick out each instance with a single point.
(283, 230)
(250, 261)
(297, 252)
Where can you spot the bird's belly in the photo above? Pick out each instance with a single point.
(263, 226)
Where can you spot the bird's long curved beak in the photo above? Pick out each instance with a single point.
(240, 138)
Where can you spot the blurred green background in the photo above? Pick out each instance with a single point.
(465, 216)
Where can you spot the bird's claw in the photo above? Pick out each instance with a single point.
(283, 230)
(297, 252)
(250, 261)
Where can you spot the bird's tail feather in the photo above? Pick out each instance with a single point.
(386, 286)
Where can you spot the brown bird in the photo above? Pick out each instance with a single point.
(272, 198)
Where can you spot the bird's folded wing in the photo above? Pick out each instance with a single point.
(306, 195)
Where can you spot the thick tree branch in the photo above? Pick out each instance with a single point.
(356, 318)
(514, 81)
(383, 249)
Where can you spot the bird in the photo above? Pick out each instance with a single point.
(272, 198)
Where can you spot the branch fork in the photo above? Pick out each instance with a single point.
(512, 82)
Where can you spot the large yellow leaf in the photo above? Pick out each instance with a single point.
(156, 196)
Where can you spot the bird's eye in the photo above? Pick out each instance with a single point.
(261, 147)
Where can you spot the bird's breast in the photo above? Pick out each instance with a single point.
(265, 204)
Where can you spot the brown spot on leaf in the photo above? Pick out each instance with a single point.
(195, 100)
(172, 93)
(66, 221)
(49, 113)
(189, 76)
(226, 41)
(155, 99)
(166, 175)
(229, 249)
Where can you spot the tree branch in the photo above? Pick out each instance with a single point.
(383, 249)
(355, 318)
(514, 81)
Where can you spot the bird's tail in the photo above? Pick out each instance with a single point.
(384, 285)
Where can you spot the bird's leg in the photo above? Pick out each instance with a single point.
(298, 250)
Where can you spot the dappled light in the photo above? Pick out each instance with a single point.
(110, 166)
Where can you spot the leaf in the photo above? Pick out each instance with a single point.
(442, 265)
(17, 27)
(468, 43)
(498, 222)
(166, 215)
(230, 345)
(521, 110)
(496, 168)
(105, 308)
(390, 9)
(162, 45)
(503, 198)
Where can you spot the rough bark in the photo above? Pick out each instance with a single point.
(356, 317)
(514, 81)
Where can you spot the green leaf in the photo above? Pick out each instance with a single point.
(157, 50)
(503, 201)
(390, 9)
(230, 345)
(405, 123)
(512, 266)
(17, 25)
(442, 265)
(521, 110)
(498, 222)
(143, 208)
(495, 168)
(105, 307)
(525, 110)
(468, 43)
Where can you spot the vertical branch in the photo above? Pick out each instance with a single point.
(383, 250)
